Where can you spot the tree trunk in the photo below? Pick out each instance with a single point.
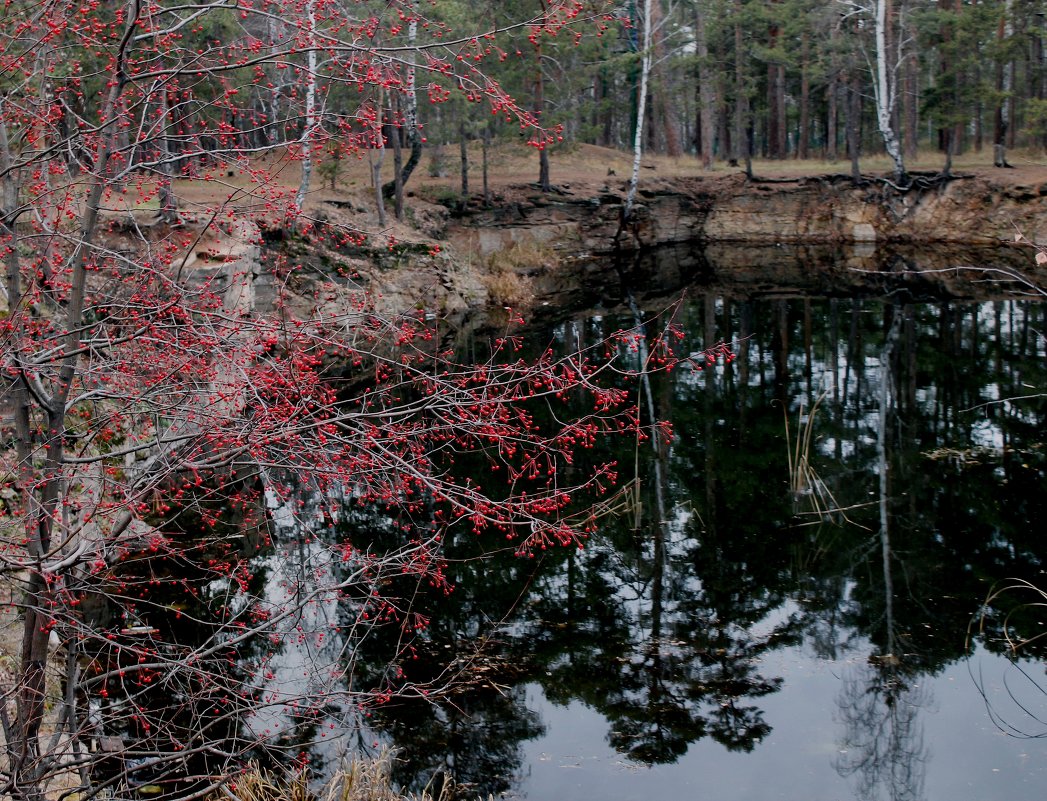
(378, 158)
(486, 147)
(831, 116)
(706, 92)
(833, 97)
(606, 112)
(463, 151)
(274, 130)
(750, 129)
(24, 747)
(950, 145)
(414, 136)
(776, 128)
(741, 98)
(884, 92)
(979, 114)
(395, 134)
(310, 111)
(544, 182)
(696, 138)
(1004, 87)
(782, 145)
(1040, 62)
(410, 114)
(645, 72)
(910, 108)
(944, 68)
(22, 738)
(803, 136)
(661, 86)
(854, 112)
(723, 120)
(594, 111)
(168, 202)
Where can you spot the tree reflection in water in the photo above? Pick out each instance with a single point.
(689, 670)
(878, 704)
(882, 744)
(665, 623)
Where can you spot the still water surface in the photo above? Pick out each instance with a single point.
(792, 604)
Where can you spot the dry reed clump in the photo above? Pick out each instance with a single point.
(507, 274)
(813, 501)
(360, 779)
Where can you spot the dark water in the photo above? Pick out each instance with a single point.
(793, 604)
(827, 586)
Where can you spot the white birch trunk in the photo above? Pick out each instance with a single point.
(641, 109)
(885, 92)
(310, 110)
(410, 90)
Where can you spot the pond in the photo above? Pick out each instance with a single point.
(793, 601)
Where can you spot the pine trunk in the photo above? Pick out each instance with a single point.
(741, 98)
(706, 92)
(1004, 88)
(803, 135)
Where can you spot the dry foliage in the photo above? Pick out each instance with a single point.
(360, 779)
(507, 274)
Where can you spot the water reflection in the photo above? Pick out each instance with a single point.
(879, 702)
(918, 424)
(882, 745)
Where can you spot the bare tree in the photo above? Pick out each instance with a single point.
(176, 454)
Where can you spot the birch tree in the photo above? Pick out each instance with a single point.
(307, 142)
(885, 87)
(644, 45)
(884, 63)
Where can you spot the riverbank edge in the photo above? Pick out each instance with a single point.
(527, 249)
(966, 209)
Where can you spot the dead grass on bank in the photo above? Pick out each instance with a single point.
(577, 168)
(360, 779)
(507, 273)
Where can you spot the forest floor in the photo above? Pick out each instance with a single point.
(582, 168)
(579, 171)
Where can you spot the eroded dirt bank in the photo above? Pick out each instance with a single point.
(528, 248)
(534, 250)
(828, 209)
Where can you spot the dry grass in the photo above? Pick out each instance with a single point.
(358, 780)
(507, 273)
(579, 168)
(1027, 599)
(813, 501)
(506, 288)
